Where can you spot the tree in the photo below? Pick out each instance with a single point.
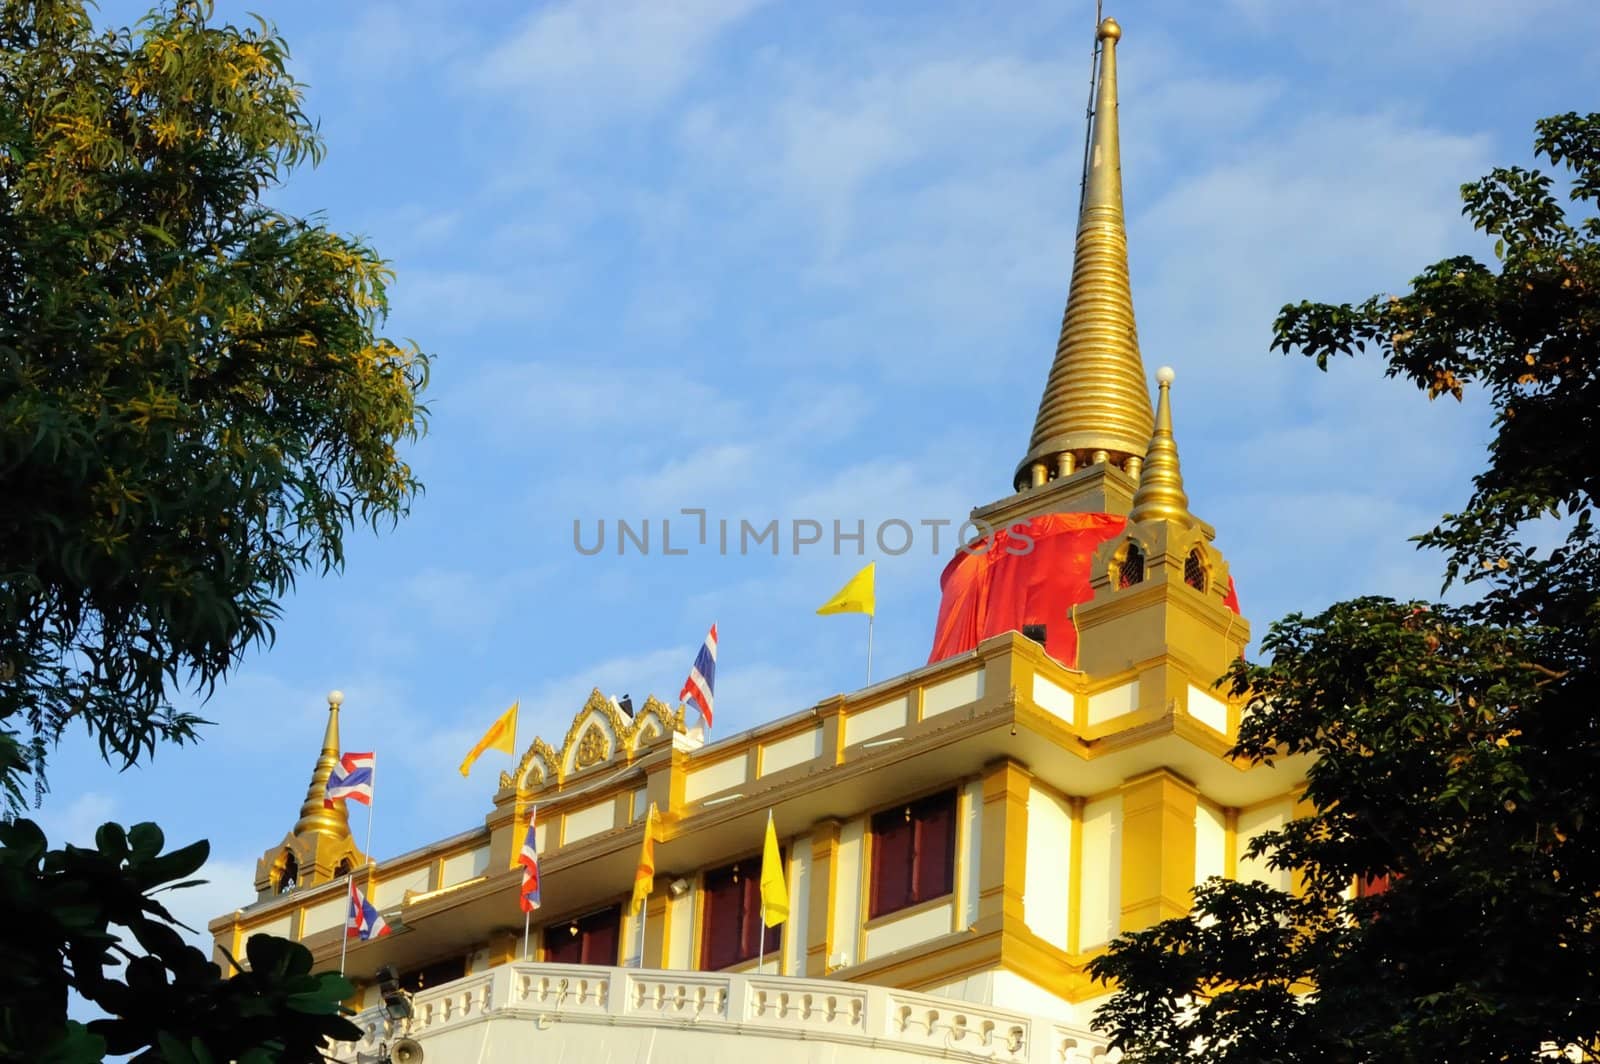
(1455, 746)
(196, 404)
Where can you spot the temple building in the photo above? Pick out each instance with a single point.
(959, 841)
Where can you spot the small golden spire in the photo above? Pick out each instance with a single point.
(1095, 398)
(1161, 495)
(314, 815)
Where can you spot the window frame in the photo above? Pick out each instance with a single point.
(561, 927)
(767, 940)
(916, 891)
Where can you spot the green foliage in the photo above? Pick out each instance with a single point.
(195, 404)
(1455, 747)
(71, 916)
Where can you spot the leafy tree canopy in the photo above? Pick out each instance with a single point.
(1456, 746)
(194, 401)
(196, 405)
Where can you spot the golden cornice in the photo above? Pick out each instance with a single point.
(1096, 405)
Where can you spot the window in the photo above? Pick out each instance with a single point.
(289, 873)
(1194, 570)
(913, 853)
(1131, 571)
(731, 923)
(589, 939)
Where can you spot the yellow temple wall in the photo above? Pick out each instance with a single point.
(1044, 873)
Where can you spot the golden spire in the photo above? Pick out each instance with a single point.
(1161, 495)
(314, 815)
(1096, 399)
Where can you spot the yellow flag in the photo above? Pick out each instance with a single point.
(644, 879)
(857, 596)
(502, 735)
(774, 889)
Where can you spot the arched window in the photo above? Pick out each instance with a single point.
(1194, 571)
(344, 867)
(1131, 571)
(289, 874)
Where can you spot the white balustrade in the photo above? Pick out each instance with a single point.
(880, 1021)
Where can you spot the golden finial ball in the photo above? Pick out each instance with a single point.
(1110, 31)
(1165, 375)
(335, 699)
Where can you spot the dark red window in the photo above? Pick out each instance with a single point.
(731, 918)
(589, 939)
(913, 853)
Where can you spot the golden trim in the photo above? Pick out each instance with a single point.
(1075, 872)
(653, 721)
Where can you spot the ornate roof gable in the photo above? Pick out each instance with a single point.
(600, 736)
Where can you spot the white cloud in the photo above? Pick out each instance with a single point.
(75, 821)
(581, 60)
(229, 884)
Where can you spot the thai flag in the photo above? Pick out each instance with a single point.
(702, 677)
(364, 921)
(351, 778)
(529, 859)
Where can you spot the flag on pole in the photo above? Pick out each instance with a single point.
(859, 594)
(364, 921)
(502, 735)
(702, 677)
(774, 887)
(644, 879)
(351, 778)
(529, 860)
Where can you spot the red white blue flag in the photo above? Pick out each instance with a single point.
(529, 859)
(351, 778)
(702, 677)
(364, 921)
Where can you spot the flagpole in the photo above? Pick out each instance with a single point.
(344, 936)
(644, 916)
(870, 619)
(526, 917)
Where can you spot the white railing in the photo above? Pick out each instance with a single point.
(892, 1021)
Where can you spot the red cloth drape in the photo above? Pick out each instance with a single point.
(1000, 589)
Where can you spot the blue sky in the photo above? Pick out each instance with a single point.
(808, 260)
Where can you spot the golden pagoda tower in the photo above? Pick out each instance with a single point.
(318, 848)
(1094, 420)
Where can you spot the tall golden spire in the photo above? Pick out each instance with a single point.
(1096, 404)
(1161, 495)
(314, 815)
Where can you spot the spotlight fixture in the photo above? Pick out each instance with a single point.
(396, 1002)
(678, 887)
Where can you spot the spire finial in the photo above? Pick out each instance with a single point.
(1161, 495)
(314, 815)
(1096, 399)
